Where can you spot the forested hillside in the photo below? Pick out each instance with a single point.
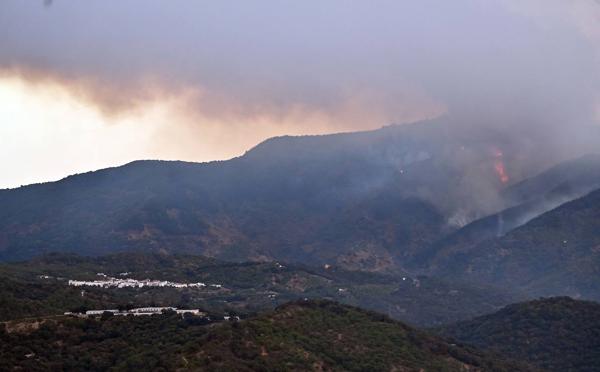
(557, 253)
(365, 200)
(556, 334)
(303, 336)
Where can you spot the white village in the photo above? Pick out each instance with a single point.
(111, 282)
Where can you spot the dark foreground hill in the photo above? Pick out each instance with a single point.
(557, 334)
(365, 200)
(304, 335)
(40, 287)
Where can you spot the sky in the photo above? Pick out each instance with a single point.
(88, 85)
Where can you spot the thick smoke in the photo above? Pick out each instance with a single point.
(519, 61)
(526, 70)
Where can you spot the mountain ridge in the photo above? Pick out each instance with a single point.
(375, 200)
(556, 334)
(567, 239)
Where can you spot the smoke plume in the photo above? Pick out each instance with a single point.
(226, 75)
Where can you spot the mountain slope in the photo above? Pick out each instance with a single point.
(367, 200)
(557, 334)
(557, 253)
(528, 199)
(328, 336)
(564, 181)
(300, 336)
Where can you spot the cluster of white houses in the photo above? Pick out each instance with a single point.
(110, 282)
(140, 311)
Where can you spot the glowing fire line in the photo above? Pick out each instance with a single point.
(499, 167)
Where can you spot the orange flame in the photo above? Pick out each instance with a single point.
(499, 166)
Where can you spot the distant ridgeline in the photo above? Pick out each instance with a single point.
(416, 222)
(394, 200)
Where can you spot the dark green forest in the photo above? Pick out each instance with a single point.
(305, 335)
(556, 334)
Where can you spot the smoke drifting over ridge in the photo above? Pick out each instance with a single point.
(226, 75)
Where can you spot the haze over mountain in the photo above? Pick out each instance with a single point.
(369, 200)
(214, 185)
(527, 200)
(84, 87)
(556, 253)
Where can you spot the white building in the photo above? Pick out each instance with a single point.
(153, 310)
(100, 312)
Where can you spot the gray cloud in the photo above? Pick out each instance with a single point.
(528, 65)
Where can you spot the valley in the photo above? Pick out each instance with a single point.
(284, 237)
(31, 288)
(303, 186)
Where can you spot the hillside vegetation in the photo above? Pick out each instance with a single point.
(557, 253)
(526, 200)
(306, 335)
(40, 287)
(557, 334)
(366, 200)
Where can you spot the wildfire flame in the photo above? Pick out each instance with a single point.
(499, 166)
